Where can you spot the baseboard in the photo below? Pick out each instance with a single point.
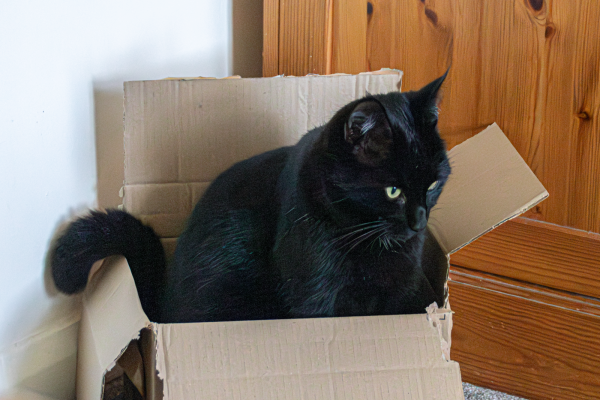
(524, 339)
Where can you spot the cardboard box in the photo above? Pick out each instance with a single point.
(179, 135)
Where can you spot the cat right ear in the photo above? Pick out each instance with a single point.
(369, 132)
(424, 103)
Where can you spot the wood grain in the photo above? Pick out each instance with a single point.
(349, 44)
(581, 45)
(302, 37)
(539, 253)
(532, 66)
(414, 36)
(270, 51)
(513, 338)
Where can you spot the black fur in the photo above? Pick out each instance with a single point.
(301, 231)
(100, 235)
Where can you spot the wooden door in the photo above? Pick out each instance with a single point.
(525, 295)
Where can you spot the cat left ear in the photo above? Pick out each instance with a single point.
(369, 133)
(426, 101)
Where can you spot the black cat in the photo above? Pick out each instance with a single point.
(333, 226)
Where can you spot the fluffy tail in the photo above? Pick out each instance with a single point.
(99, 235)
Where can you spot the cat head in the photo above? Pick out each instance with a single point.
(383, 162)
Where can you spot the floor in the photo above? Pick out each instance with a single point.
(478, 393)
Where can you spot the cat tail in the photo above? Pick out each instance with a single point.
(102, 234)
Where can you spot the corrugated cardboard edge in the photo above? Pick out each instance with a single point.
(382, 71)
(441, 319)
(193, 78)
(111, 318)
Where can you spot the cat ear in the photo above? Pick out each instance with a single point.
(424, 103)
(369, 133)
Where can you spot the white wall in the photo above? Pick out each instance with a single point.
(62, 64)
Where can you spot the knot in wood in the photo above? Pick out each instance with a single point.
(583, 115)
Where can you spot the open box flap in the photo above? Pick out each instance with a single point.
(112, 316)
(490, 184)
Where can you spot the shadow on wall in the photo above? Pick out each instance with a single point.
(43, 354)
(247, 37)
(246, 61)
(108, 109)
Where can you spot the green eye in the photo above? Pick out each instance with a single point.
(393, 192)
(434, 185)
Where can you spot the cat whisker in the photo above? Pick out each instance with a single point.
(381, 242)
(356, 241)
(290, 210)
(364, 224)
(357, 231)
(375, 239)
(339, 201)
(302, 218)
(433, 219)
(386, 240)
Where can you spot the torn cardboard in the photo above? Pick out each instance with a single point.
(179, 135)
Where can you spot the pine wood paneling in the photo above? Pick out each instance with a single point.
(349, 47)
(539, 253)
(519, 339)
(270, 37)
(532, 66)
(580, 43)
(303, 36)
(413, 36)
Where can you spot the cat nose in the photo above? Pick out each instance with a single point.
(417, 219)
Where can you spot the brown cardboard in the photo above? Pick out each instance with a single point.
(179, 134)
(384, 357)
(500, 186)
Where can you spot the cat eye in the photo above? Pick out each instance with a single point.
(393, 192)
(433, 185)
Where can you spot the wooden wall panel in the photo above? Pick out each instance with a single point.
(581, 43)
(349, 46)
(417, 37)
(522, 340)
(303, 36)
(411, 34)
(539, 253)
(270, 37)
(532, 66)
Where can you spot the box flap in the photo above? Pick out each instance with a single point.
(180, 134)
(387, 357)
(490, 184)
(384, 357)
(112, 316)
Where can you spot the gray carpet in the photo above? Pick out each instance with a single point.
(478, 393)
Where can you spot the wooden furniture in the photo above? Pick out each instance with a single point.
(526, 295)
